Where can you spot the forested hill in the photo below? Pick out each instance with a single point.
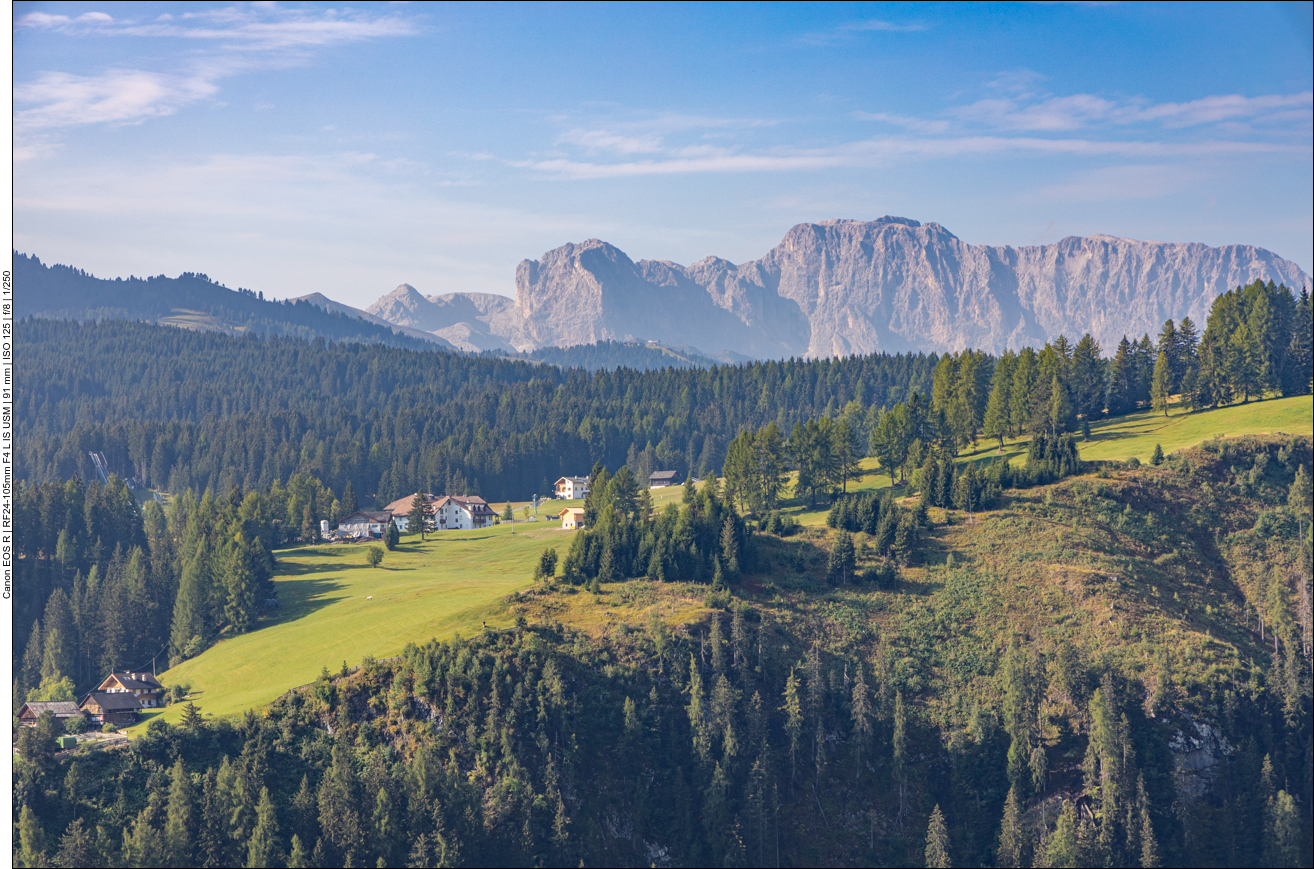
(193, 301)
(618, 354)
(179, 410)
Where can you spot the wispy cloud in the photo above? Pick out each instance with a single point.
(259, 26)
(232, 40)
(60, 99)
(849, 29)
(885, 150)
(1078, 111)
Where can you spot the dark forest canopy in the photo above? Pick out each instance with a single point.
(177, 409)
(182, 410)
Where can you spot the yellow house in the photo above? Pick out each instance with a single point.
(571, 518)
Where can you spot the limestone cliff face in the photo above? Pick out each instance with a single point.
(845, 286)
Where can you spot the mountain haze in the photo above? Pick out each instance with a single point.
(842, 287)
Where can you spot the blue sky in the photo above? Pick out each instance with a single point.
(302, 148)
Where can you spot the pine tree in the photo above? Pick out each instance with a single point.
(191, 626)
(1061, 849)
(29, 674)
(1011, 836)
(1149, 845)
(997, 422)
(1060, 408)
(263, 849)
(415, 518)
(238, 577)
(32, 839)
(349, 499)
(899, 749)
(840, 564)
(297, 858)
(191, 717)
(861, 712)
(937, 840)
(212, 836)
(1161, 386)
(77, 847)
(793, 710)
(1156, 458)
(179, 825)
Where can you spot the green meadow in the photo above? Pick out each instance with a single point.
(336, 608)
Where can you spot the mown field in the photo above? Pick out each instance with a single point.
(336, 609)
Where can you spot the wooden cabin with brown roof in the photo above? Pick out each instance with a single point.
(63, 710)
(144, 686)
(106, 708)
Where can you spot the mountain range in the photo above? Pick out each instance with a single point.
(841, 287)
(833, 288)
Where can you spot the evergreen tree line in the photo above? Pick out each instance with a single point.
(702, 540)
(178, 409)
(727, 747)
(101, 583)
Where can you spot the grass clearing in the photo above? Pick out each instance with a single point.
(336, 608)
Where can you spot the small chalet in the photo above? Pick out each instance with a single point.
(63, 710)
(144, 686)
(365, 523)
(662, 479)
(401, 510)
(106, 708)
(571, 518)
(462, 513)
(571, 488)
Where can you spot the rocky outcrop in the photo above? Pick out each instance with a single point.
(844, 286)
(469, 321)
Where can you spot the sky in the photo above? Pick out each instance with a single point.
(307, 148)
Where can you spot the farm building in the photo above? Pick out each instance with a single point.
(365, 523)
(662, 479)
(401, 510)
(107, 708)
(572, 488)
(63, 710)
(571, 518)
(144, 686)
(462, 513)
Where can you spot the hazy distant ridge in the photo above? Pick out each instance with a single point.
(847, 286)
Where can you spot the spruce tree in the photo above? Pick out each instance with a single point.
(1061, 849)
(1011, 836)
(1161, 386)
(77, 847)
(937, 841)
(191, 627)
(415, 518)
(297, 857)
(349, 499)
(1156, 458)
(32, 839)
(263, 849)
(179, 824)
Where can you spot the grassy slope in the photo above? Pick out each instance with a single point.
(457, 580)
(1121, 438)
(453, 582)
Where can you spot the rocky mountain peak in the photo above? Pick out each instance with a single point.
(843, 286)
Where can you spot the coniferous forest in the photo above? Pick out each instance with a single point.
(1111, 666)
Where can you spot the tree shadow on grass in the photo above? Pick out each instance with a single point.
(301, 599)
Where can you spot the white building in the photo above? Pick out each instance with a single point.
(364, 523)
(462, 513)
(572, 488)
